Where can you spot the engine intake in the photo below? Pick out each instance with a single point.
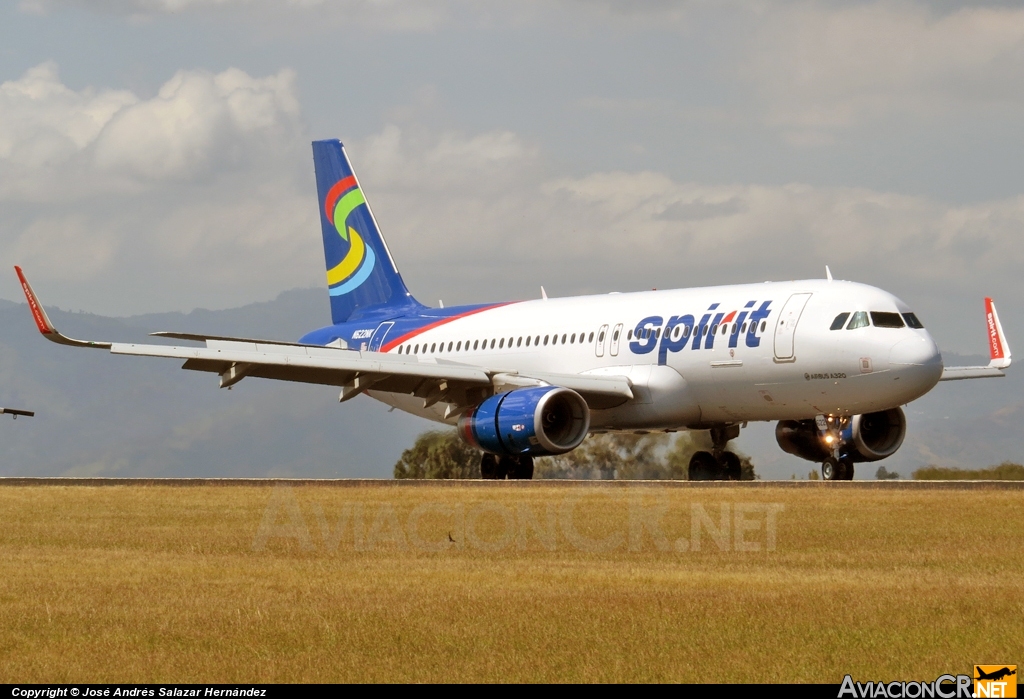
(868, 437)
(539, 420)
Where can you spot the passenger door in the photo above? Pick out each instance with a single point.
(785, 327)
(602, 337)
(616, 335)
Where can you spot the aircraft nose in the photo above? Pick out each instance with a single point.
(915, 351)
(917, 362)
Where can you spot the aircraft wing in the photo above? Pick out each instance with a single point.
(16, 412)
(998, 347)
(459, 385)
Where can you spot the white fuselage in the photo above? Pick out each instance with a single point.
(786, 363)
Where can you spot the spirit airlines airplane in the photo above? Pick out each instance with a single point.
(831, 361)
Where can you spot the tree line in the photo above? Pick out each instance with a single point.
(609, 456)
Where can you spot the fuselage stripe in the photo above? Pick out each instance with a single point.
(413, 333)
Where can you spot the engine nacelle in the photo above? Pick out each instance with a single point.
(867, 437)
(538, 420)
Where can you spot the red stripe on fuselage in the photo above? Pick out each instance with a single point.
(335, 192)
(413, 333)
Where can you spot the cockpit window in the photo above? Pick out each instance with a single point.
(840, 321)
(881, 319)
(860, 320)
(912, 321)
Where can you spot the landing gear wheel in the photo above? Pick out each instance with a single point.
(519, 467)
(731, 467)
(703, 467)
(489, 467)
(832, 470)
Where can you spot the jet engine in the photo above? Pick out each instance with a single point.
(868, 437)
(539, 421)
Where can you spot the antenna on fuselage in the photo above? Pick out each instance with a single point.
(828, 273)
(543, 294)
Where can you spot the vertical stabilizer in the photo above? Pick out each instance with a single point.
(362, 279)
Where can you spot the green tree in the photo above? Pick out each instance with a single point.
(439, 454)
(615, 455)
(1005, 471)
(609, 456)
(627, 456)
(883, 474)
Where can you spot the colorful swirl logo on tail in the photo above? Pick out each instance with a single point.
(342, 199)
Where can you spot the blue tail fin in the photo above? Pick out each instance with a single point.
(362, 279)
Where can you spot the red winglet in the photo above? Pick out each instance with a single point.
(995, 347)
(42, 322)
(998, 349)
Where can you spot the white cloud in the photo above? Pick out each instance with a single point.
(56, 143)
(468, 227)
(203, 196)
(819, 66)
(191, 197)
(199, 122)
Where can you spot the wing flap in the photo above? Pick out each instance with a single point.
(286, 362)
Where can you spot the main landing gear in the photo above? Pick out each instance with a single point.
(833, 469)
(718, 464)
(518, 467)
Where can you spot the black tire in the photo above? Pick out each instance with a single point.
(830, 470)
(703, 467)
(731, 468)
(848, 473)
(520, 467)
(489, 467)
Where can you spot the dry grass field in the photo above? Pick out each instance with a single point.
(511, 582)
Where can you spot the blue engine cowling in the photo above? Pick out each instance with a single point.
(538, 421)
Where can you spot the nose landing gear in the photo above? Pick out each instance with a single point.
(833, 469)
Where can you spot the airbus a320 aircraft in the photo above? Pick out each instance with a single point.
(831, 361)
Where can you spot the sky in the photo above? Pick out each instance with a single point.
(154, 154)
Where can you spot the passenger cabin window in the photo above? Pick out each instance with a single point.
(881, 319)
(840, 321)
(912, 321)
(860, 320)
